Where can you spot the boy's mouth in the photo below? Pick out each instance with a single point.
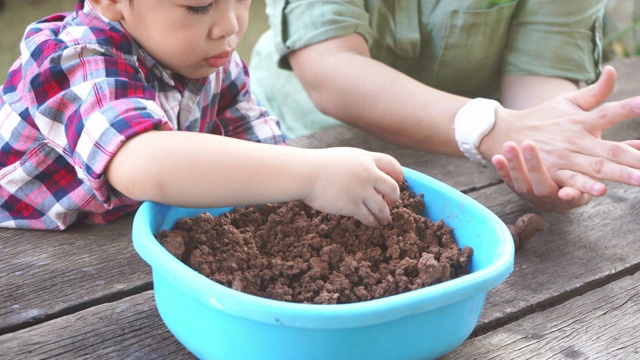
(218, 60)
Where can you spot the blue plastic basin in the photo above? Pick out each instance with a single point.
(216, 322)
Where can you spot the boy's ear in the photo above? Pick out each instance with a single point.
(111, 9)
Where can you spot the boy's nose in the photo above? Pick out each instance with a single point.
(226, 24)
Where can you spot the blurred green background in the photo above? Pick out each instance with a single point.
(621, 27)
(17, 14)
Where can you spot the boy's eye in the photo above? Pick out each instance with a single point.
(199, 10)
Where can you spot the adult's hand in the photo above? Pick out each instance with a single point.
(567, 132)
(525, 174)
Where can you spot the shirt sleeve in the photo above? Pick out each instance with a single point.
(299, 23)
(88, 105)
(557, 39)
(238, 112)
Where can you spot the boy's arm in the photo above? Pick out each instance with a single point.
(202, 170)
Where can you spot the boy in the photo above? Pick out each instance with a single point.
(88, 111)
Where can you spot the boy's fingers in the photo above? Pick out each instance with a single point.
(389, 165)
(389, 189)
(367, 218)
(378, 208)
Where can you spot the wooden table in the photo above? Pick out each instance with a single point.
(574, 293)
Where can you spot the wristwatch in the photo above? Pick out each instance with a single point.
(472, 123)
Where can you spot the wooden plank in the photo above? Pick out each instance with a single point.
(579, 251)
(76, 267)
(601, 324)
(47, 274)
(598, 324)
(124, 329)
(581, 261)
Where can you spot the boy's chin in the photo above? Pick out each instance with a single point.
(193, 73)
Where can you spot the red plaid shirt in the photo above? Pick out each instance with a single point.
(80, 89)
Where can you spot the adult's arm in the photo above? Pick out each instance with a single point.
(346, 83)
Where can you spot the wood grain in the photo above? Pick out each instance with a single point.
(601, 324)
(84, 292)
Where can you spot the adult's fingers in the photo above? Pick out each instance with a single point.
(502, 168)
(613, 113)
(531, 181)
(519, 174)
(573, 198)
(633, 143)
(595, 94)
(599, 166)
(544, 185)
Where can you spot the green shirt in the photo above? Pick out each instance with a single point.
(458, 46)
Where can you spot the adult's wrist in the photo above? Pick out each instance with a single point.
(472, 123)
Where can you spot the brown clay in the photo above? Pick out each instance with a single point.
(525, 229)
(294, 253)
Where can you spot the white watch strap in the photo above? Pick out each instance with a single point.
(472, 123)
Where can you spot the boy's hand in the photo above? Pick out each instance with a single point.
(357, 183)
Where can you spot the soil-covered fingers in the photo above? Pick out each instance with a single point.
(355, 182)
(378, 208)
(366, 216)
(392, 174)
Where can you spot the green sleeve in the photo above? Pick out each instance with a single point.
(556, 38)
(299, 23)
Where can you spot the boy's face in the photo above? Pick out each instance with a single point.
(188, 37)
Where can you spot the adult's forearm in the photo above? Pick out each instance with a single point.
(349, 85)
(524, 92)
